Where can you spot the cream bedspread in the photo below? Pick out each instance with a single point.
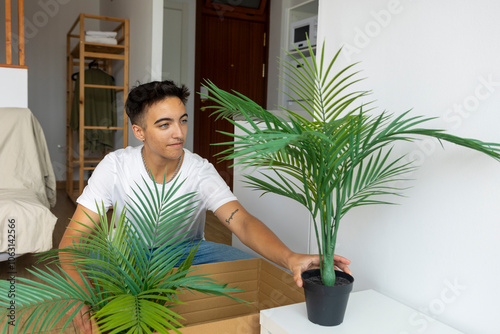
(27, 183)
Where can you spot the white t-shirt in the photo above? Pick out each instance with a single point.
(123, 170)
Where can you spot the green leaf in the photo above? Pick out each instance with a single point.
(131, 273)
(337, 158)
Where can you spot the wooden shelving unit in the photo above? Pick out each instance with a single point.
(110, 58)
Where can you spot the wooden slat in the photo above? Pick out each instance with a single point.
(99, 47)
(103, 55)
(74, 25)
(214, 315)
(8, 35)
(218, 313)
(97, 127)
(81, 95)
(20, 14)
(199, 302)
(13, 66)
(248, 324)
(8, 32)
(105, 86)
(100, 17)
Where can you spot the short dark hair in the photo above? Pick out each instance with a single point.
(144, 96)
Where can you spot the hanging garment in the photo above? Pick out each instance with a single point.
(100, 110)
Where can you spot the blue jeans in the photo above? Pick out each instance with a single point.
(208, 252)
(212, 252)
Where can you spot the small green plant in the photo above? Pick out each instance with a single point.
(132, 273)
(338, 158)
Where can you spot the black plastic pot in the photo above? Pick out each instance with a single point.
(326, 305)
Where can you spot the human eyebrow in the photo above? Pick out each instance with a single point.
(168, 119)
(164, 119)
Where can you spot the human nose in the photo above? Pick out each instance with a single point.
(177, 131)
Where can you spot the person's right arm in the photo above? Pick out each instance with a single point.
(71, 235)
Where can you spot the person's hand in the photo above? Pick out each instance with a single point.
(341, 263)
(84, 324)
(303, 262)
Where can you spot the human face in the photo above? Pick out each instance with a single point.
(165, 129)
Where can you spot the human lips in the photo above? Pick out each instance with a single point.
(178, 144)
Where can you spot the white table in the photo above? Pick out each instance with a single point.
(367, 312)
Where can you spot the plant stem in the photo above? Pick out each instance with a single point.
(328, 270)
(330, 235)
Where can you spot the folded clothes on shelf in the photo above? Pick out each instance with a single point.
(102, 40)
(110, 34)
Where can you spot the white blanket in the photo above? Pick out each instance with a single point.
(26, 225)
(27, 183)
(24, 156)
(111, 34)
(102, 40)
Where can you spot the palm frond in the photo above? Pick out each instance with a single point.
(44, 304)
(132, 271)
(336, 159)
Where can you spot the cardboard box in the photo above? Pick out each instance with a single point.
(265, 286)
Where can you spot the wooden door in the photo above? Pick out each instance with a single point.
(232, 53)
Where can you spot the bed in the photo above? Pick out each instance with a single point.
(27, 185)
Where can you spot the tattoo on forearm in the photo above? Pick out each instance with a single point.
(231, 217)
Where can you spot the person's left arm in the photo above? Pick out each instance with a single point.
(256, 235)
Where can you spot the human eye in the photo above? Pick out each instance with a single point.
(163, 125)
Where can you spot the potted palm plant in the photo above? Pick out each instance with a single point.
(338, 158)
(133, 273)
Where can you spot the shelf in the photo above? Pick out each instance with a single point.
(79, 54)
(305, 52)
(98, 48)
(118, 88)
(302, 11)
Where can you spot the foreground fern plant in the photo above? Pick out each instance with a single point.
(131, 277)
(336, 159)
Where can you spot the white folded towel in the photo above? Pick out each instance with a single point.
(111, 34)
(102, 40)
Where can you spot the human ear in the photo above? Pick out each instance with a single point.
(138, 132)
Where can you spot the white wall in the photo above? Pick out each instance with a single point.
(146, 45)
(145, 40)
(438, 250)
(14, 87)
(277, 29)
(46, 24)
(276, 26)
(287, 219)
(178, 53)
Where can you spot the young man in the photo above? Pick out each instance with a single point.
(159, 119)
